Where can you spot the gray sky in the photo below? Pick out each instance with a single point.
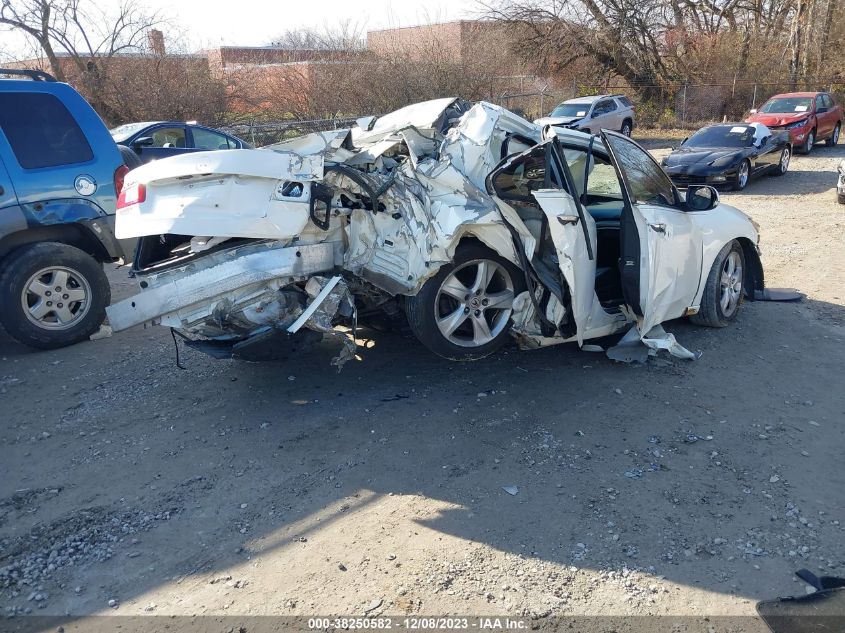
(255, 22)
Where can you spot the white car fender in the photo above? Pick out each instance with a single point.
(719, 226)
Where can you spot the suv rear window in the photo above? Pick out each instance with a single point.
(625, 101)
(41, 131)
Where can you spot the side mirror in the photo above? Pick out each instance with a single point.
(753, 110)
(144, 141)
(701, 198)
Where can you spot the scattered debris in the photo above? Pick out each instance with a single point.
(375, 604)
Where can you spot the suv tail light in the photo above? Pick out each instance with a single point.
(133, 194)
(119, 175)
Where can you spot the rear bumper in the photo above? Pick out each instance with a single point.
(238, 286)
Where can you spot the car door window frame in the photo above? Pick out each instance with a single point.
(511, 161)
(557, 176)
(557, 160)
(152, 131)
(228, 140)
(626, 185)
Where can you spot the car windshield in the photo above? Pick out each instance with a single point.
(788, 105)
(722, 136)
(571, 109)
(123, 132)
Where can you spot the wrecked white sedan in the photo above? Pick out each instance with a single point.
(475, 223)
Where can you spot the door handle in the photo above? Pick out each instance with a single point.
(659, 227)
(567, 219)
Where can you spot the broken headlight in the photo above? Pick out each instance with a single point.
(800, 123)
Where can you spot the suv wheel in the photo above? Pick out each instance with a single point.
(834, 138)
(52, 295)
(809, 141)
(626, 128)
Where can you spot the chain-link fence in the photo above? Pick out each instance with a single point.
(684, 106)
(261, 133)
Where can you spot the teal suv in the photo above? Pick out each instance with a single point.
(60, 173)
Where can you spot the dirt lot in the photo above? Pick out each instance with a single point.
(676, 487)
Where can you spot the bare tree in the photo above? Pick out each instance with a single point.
(658, 42)
(87, 36)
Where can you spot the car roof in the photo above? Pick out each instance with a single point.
(592, 99)
(729, 124)
(139, 124)
(797, 94)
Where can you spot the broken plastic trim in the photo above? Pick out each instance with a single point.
(311, 309)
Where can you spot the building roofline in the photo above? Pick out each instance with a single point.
(417, 26)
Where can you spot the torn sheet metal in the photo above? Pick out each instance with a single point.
(634, 347)
(329, 298)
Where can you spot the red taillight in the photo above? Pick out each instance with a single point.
(119, 175)
(133, 194)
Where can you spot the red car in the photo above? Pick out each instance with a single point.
(808, 116)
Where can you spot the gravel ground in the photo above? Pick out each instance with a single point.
(550, 482)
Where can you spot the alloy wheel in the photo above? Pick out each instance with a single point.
(731, 284)
(474, 303)
(784, 161)
(742, 176)
(56, 298)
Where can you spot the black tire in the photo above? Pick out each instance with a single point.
(809, 141)
(711, 312)
(423, 308)
(834, 137)
(780, 169)
(87, 314)
(840, 198)
(627, 127)
(130, 158)
(738, 185)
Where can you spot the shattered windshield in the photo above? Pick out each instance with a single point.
(788, 105)
(722, 136)
(571, 109)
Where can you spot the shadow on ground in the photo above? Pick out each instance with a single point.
(722, 474)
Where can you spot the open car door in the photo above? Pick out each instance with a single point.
(660, 253)
(536, 184)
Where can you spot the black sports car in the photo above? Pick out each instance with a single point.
(729, 154)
